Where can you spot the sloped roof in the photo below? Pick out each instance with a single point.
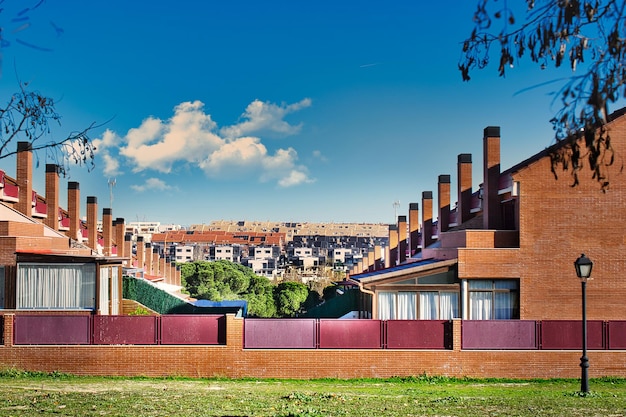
(425, 266)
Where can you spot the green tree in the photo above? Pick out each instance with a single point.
(260, 297)
(587, 35)
(289, 298)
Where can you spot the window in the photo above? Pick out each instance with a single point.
(494, 299)
(422, 305)
(56, 286)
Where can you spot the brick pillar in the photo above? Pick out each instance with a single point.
(393, 246)
(25, 178)
(119, 230)
(378, 262)
(464, 179)
(492, 218)
(141, 248)
(9, 320)
(92, 222)
(148, 258)
(155, 261)
(163, 270)
(402, 234)
(178, 278)
(52, 196)
(414, 228)
(427, 219)
(172, 273)
(128, 248)
(107, 231)
(73, 209)
(443, 191)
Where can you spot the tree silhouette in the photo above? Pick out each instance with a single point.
(585, 35)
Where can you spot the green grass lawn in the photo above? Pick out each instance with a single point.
(28, 394)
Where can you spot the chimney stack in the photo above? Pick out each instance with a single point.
(443, 190)
(148, 256)
(392, 259)
(491, 170)
(92, 222)
(128, 248)
(414, 228)
(107, 231)
(427, 219)
(119, 231)
(73, 209)
(52, 196)
(402, 233)
(141, 248)
(25, 178)
(464, 202)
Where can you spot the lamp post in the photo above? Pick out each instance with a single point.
(583, 270)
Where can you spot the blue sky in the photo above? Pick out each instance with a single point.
(324, 111)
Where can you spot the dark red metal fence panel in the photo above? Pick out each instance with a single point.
(51, 330)
(350, 334)
(280, 333)
(568, 334)
(125, 330)
(419, 334)
(192, 329)
(616, 334)
(499, 334)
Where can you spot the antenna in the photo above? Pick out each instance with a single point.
(396, 204)
(111, 185)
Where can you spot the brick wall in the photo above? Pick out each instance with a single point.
(233, 361)
(558, 222)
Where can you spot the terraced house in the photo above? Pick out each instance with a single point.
(506, 250)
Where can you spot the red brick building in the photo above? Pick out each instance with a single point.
(506, 250)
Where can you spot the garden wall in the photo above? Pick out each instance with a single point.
(233, 360)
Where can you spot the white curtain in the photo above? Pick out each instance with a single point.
(56, 286)
(503, 306)
(386, 305)
(480, 305)
(407, 308)
(428, 305)
(115, 291)
(448, 305)
(103, 296)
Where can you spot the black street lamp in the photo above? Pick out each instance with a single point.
(583, 267)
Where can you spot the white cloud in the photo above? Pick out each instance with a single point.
(295, 178)
(190, 137)
(151, 184)
(262, 117)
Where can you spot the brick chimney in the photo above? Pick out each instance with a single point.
(443, 191)
(464, 202)
(402, 234)
(378, 262)
(148, 256)
(414, 228)
(492, 218)
(73, 209)
(155, 261)
(25, 178)
(427, 219)
(52, 196)
(128, 248)
(141, 248)
(392, 259)
(172, 273)
(163, 269)
(107, 231)
(92, 222)
(119, 230)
